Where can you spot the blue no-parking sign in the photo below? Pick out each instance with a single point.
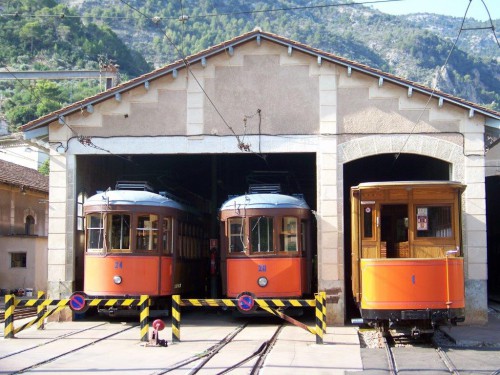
(78, 302)
(246, 302)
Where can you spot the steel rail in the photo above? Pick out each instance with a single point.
(72, 351)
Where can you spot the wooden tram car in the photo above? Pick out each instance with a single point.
(407, 265)
(142, 243)
(265, 246)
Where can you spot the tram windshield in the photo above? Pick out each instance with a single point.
(236, 235)
(95, 232)
(147, 233)
(261, 234)
(119, 232)
(288, 236)
(434, 221)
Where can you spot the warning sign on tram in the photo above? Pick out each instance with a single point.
(78, 303)
(246, 302)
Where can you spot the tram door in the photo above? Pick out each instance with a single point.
(394, 231)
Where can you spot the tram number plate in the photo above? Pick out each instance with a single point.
(414, 314)
(262, 267)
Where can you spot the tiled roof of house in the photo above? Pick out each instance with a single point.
(14, 174)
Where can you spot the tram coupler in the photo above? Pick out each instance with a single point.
(158, 325)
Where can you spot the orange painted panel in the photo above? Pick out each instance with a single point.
(139, 275)
(412, 283)
(285, 276)
(166, 276)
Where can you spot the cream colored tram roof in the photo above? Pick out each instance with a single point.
(430, 183)
(264, 201)
(131, 197)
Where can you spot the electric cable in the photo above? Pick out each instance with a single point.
(307, 7)
(435, 85)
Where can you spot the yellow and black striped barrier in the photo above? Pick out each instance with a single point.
(320, 316)
(176, 318)
(78, 302)
(144, 317)
(247, 303)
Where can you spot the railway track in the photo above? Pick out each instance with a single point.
(398, 361)
(19, 313)
(21, 355)
(201, 362)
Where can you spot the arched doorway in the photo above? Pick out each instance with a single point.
(29, 225)
(377, 168)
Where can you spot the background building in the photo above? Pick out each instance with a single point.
(264, 102)
(23, 228)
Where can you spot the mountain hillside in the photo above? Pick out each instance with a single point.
(413, 47)
(141, 34)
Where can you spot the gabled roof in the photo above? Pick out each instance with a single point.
(258, 36)
(17, 175)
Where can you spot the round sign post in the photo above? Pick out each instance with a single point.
(78, 302)
(246, 302)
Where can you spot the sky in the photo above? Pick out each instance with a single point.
(455, 8)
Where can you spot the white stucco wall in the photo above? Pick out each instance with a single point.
(339, 117)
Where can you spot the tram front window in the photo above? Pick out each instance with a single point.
(261, 234)
(434, 222)
(95, 231)
(120, 232)
(147, 233)
(288, 237)
(236, 235)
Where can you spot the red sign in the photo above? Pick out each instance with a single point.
(246, 302)
(78, 302)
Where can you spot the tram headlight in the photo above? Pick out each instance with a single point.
(117, 279)
(262, 281)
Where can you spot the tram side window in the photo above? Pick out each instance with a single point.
(288, 236)
(147, 233)
(367, 222)
(261, 234)
(95, 232)
(119, 230)
(434, 221)
(236, 235)
(167, 236)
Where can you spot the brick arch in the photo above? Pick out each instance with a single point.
(415, 144)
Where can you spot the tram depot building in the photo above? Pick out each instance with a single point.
(262, 102)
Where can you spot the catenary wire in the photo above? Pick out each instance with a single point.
(308, 7)
(435, 85)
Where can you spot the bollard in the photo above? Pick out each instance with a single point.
(40, 311)
(320, 319)
(176, 318)
(144, 316)
(10, 302)
(323, 295)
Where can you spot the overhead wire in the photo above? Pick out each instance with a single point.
(156, 20)
(431, 95)
(38, 99)
(491, 23)
(187, 65)
(306, 7)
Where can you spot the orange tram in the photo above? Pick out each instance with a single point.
(265, 246)
(407, 264)
(142, 243)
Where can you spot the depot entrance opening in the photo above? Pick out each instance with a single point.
(379, 168)
(202, 180)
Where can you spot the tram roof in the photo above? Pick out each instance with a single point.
(132, 197)
(265, 201)
(430, 183)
